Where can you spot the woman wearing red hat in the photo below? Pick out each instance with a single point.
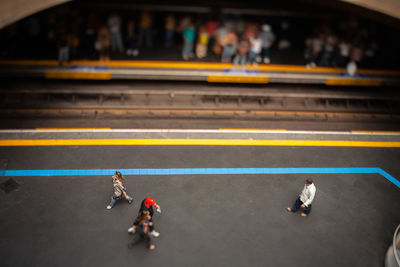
(147, 205)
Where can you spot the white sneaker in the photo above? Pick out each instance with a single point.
(267, 60)
(109, 207)
(154, 233)
(131, 230)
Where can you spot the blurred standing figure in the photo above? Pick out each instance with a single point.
(220, 39)
(132, 49)
(211, 26)
(202, 42)
(114, 23)
(268, 39)
(64, 48)
(329, 47)
(343, 53)
(119, 190)
(145, 29)
(169, 30)
(189, 34)
(103, 43)
(92, 25)
(230, 45)
(241, 54)
(305, 199)
(316, 45)
(255, 48)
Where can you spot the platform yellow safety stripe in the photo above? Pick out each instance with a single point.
(192, 65)
(194, 142)
(252, 129)
(237, 79)
(77, 75)
(353, 82)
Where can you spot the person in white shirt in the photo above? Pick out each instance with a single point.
(305, 199)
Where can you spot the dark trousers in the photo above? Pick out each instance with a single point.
(137, 237)
(297, 205)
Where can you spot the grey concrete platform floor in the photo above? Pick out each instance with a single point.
(207, 220)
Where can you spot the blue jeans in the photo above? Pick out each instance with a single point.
(63, 54)
(187, 49)
(145, 33)
(227, 53)
(239, 58)
(115, 199)
(116, 41)
(265, 52)
(169, 37)
(297, 205)
(253, 57)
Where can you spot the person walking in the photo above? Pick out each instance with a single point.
(305, 199)
(119, 190)
(146, 205)
(144, 224)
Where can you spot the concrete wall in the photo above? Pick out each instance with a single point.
(14, 10)
(387, 7)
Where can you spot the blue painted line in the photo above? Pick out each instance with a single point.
(193, 171)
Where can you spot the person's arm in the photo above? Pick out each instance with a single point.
(158, 208)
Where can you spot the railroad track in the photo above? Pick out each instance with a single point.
(201, 102)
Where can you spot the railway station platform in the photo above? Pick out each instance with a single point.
(195, 71)
(223, 195)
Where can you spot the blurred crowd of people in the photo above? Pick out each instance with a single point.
(239, 40)
(347, 43)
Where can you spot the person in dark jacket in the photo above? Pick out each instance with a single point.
(144, 224)
(146, 205)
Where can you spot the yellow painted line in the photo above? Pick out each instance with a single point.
(246, 129)
(77, 75)
(194, 142)
(353, 82)
(192, 65)
(237, 79)
(56, 129)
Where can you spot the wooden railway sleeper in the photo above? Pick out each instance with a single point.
(101, 99)
(239, 101)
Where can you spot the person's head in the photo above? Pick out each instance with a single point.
(118, 176)
(266, 28)
(309, 182)
(149, 202)
(143, 215)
